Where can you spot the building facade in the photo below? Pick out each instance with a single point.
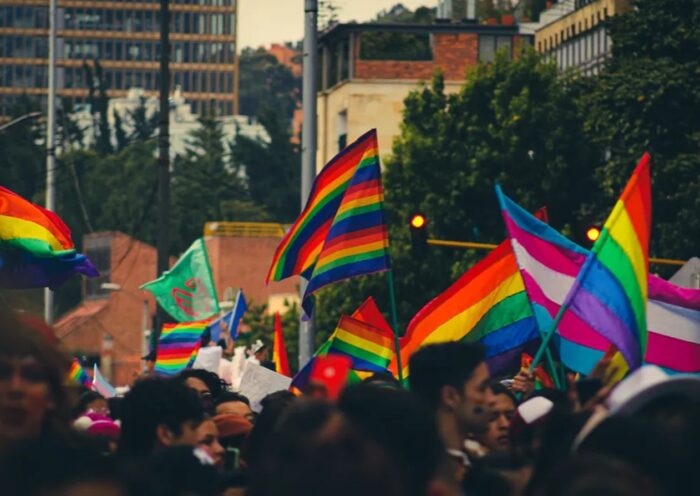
(123, 36)
(574, 34)
(367, 70)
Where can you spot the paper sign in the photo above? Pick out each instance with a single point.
(258, 382)
(208, 358)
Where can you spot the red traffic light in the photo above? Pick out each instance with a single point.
(418, 221)
(593, 233)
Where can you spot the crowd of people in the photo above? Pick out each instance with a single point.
(452, 430)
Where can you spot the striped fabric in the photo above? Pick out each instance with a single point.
(369, 348)
(178, 346)
(102, 385)
(36, 249)
(487, 304)
(342, 231)
(279, 351)
(549, 263)
(77, 374)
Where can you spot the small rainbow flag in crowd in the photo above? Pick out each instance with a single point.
(77, 374)
(369, 348)
(342, 231)
(36, 249)
(279, 351)
(178, 346)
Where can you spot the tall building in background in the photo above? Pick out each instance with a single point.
(123, 37)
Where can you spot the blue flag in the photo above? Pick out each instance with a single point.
(232, 318)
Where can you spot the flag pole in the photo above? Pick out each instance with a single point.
(394, 322)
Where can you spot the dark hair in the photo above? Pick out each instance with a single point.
(85, 399)
(402, 426)
(273, 407)
(215, 384)
(150, 403)
(384, 379)
(25, 337)
(498, 388)
(443, 364)
(230, 396)
(115, 407)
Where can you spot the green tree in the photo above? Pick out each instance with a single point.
(271, 167)
(648, 99)
(202, 181)
(515, 123)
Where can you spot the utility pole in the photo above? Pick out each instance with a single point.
(51, 143)
(163, 244)
(308, 148)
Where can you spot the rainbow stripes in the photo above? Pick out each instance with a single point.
(342, 231)
(369, 348)
(178, 346)
(489, 304)
(36, 249)
(77, 374)
(279, 351)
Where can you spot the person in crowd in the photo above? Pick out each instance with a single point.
(234, 431)
(274, 406)
(453, 380)
(157, 413)
(502, 404)
(208, 440)
(230, 402)
(33, 401)
(207, 384)
(91, 401)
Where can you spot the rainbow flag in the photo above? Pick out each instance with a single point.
(178, 346)
(36, 249)
(369, 348)
(488, 304)
(342, 231)
(77, 374)
(279, 351)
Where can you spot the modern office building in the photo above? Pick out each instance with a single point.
(123, 36)
(574, 34)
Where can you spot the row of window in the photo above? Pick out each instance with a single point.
(24, 46)
(119, 20)
(571, 31)
(582, 51)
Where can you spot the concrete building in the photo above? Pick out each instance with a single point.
(182, 120)
(367, 70)
(124, 37)
(112, 323)
(574, 33)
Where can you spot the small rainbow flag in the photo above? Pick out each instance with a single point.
(279, 351)
(36, 249)
(342, 231)
(77, 374)
(178, 346)
(369, 348)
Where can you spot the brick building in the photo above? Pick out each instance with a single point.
(112, 323)
(367, 70)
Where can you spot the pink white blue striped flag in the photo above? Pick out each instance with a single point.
(101, 385)
(549, 263)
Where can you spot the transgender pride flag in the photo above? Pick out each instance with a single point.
(549, 264)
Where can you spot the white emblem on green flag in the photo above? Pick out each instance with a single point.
(187, 290)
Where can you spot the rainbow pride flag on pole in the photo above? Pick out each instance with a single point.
(178, 346)
(549, 263)
(36, 249)
(341, 232)
(370, 348)
(488, 303)
(77, 374)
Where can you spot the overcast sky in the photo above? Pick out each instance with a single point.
(262, 22)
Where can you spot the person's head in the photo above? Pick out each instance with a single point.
(33, 401)
(207, 384)
(383, 379)
(159, 412)
(502, 405)
(234, 403)
(91, 401)
(208, 440)
(273, 407)
(260, 351)
(453, 379)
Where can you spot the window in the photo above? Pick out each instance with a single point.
(490, 44)
(342, 129)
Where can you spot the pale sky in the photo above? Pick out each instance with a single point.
(262, 22)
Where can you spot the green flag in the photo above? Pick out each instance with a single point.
(187, 290)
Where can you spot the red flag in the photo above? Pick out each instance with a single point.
(329, 375)
(369, 313)
(279, 352)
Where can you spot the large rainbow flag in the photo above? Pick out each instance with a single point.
(36, 249)
(178, 345)
(342, 231)
(488, 303)
(549, 263)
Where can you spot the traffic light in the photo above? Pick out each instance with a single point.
(592, 233)
(418, 225)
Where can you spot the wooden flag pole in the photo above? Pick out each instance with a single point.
(395, 322)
